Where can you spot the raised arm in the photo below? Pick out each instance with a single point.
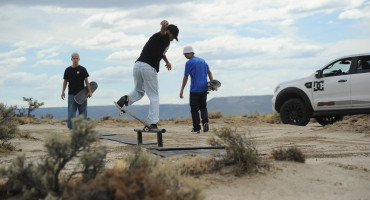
(164, 24)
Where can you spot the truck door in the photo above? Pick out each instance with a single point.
(360, 85)
(332, 90)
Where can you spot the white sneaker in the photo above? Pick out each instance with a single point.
(195, 132)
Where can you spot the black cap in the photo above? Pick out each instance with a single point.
(174, 30)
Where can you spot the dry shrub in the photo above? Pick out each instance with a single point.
(290, 154)
(112, 184)
(355, 124)
(197, 165)
(114, 119)
(273, 118)
(8, 127)
(215, 115)
(185, 120)
(240, 150)
(137, 177)
(27, 180)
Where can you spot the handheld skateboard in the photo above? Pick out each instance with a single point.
(213, 85)
(81, 96)
(146, 128)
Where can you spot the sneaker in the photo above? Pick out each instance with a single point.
(152, 126)
(194, 131)
(205, 127)
(123, 101)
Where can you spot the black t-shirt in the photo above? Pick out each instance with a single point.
(76, 78)
(154, 50)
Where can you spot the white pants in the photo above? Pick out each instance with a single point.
(146, 80)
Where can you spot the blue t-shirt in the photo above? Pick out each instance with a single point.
(197, 68)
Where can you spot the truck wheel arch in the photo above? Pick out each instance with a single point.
(290, 93)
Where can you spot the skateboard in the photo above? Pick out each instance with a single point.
(81, 96)
(213, 85)
(146, 128)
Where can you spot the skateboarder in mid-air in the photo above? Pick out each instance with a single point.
(146, 68)
(198, 70)
(76, 76)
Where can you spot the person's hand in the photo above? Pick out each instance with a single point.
(63, 95)
(181, 95)
(168, 66)
(164, 23)
(89, 94)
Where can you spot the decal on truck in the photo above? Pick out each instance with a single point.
(318, 86)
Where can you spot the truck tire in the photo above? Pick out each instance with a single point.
(325, 120)
(294, 112)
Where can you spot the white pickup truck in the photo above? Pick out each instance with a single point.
(342, 87)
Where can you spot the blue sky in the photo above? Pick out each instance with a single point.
(250, 46)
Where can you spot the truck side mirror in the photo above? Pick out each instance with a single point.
(318, 74)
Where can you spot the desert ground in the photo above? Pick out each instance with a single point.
(337, 156)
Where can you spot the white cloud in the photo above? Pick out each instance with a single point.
(13, 61)
(50, 62)
(113, 74)
(109, 40)
(48, 53)
(120, 56)
(12, 53)
(356, 14)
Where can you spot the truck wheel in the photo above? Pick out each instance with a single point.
(325, 120)
(294, 112)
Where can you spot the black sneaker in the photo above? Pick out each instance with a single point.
(123, 101)
(152, 126)
(205, 127)
(194, 131)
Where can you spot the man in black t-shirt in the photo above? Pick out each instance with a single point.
(146, 68)
(76, 76)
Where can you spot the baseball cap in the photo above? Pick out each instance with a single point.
(174, 30)
(188, 49)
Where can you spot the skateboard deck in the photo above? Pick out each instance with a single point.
(81, 96)
(213, 85)
(146, 128)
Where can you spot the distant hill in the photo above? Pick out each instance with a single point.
(241, 105)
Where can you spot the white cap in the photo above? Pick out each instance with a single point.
(188, 49)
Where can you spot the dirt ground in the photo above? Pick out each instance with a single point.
(337, 156)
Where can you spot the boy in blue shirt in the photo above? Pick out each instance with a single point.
(198, 70)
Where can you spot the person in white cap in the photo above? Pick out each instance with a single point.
(146, 68)
(198, 70)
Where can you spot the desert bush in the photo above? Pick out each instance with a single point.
(290, 154)
(140, 178)
(26, 120)
(215, 115)
(38, 180)
(47, 116)
(197, 165)
(240, 150)
(273, 118)
(8, 126)
(114, 119)
(32, 105)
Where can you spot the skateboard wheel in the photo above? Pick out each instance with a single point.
(146, 128)
(120, 113)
